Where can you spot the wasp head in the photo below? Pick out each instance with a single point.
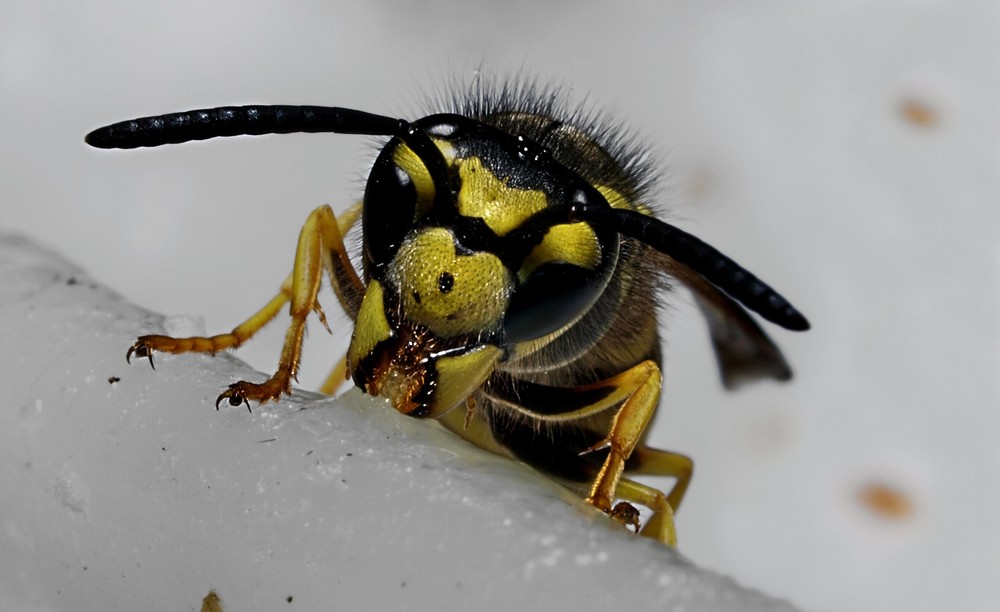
(426, 334)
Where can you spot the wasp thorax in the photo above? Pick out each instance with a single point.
(447, 289)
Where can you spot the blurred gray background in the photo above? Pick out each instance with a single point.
(845, 152)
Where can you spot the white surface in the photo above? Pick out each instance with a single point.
(787, 149)
(135, 494)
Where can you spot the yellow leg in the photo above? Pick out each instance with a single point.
(661, 524)
(665, 463)
(145, 345)
(321, 246)
(637, 390)
(626, 429)
(346, 271)
(336, 378)
(347, 286)
(319, 242)
(658, 463)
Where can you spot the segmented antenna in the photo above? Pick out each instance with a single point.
(705, 260)
(711, 264)
(256, 120)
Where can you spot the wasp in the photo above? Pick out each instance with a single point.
(511, 269)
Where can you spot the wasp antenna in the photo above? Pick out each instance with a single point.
(241, 121)
(704, 259)
(708, 262)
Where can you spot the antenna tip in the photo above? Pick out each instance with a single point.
(101, 138)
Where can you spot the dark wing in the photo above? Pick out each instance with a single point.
(743, 351)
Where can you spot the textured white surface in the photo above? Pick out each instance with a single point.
(123, 489)
(783, 131)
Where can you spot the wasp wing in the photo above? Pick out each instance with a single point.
(743, 351)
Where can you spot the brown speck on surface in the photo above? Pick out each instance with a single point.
(289, 599)
(700, 183)
(211, 603)
(113, 379)
(919, 112)
(886, 501)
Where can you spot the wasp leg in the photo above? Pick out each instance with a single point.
(347, 286)
(336, 377)
(643, 382)
(655, 462)
(321, 246)
(146, 345)
(626, 514)
(635, 393)
(661, 524)
(342, 276)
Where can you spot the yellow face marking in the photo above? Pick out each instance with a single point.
(451, 294)
(460, 375)
(574, 243)
(485, 196)
(617, 200)
(371, 327)
(410, 163)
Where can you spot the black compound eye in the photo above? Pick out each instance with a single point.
(553, 296)
(389, 209)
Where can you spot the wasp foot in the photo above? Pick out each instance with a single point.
(243, 391)
(141, 349)
(144, 346)
(626, 514)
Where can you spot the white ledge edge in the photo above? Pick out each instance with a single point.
(136, 494)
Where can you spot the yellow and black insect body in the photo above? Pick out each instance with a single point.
(511, 273)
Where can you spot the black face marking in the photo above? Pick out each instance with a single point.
(416, 297)
(445, 282)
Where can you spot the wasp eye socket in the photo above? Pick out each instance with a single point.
(389, 209)
(555, 295)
